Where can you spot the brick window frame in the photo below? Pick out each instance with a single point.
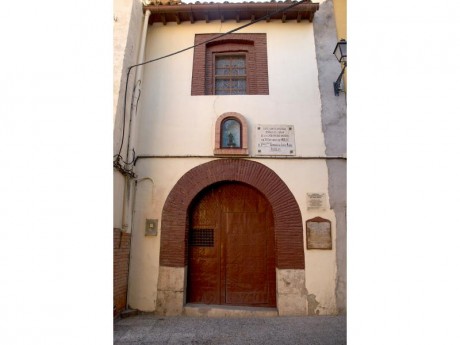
(233, 151)
(254, 46)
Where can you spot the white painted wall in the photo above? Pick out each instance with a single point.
(171, 122)
(170, 115)
(127, 24)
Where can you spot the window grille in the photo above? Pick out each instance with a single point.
(230, 75)
(202, 238)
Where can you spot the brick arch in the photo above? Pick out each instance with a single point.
(286, 212)
(239, 41)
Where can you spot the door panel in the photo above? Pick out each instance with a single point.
(203, 284)
(239, 268)
(246, 258)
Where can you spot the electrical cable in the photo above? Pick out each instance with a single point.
(188, 48)
(138, 98)
(119, 157)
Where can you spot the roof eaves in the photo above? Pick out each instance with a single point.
(180, 12)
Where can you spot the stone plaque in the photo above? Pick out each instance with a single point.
(275, 140)
(315, 201)
(319, 233)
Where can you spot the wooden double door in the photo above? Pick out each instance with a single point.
(231, 247)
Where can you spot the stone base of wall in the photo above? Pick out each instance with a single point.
(291, 293)
(171, 290)
(121, 248)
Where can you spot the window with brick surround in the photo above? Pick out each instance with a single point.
(233, 64)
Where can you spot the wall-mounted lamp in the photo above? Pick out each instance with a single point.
(340, 53)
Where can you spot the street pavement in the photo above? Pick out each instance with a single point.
(152, 329)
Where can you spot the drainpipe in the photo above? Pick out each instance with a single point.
(126, 221)
(133, 210)
(138, 79)
(126, 197)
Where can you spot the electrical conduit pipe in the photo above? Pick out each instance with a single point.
(126, 221)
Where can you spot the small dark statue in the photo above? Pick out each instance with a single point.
(231, 140)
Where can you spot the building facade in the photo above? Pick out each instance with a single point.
(230, 159)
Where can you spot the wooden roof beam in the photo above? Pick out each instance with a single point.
(239, 11)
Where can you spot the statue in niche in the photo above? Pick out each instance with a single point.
(231, 140)
(231, 136)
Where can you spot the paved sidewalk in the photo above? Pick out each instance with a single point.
(293, 330)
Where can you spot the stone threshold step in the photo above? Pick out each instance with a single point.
(208, 310)
(128, 313)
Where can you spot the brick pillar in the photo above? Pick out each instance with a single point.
(121, 247)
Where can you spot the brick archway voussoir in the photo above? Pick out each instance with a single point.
(286, 212)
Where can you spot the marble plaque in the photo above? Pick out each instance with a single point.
(275, 140)
(319, 233)
(315, 201)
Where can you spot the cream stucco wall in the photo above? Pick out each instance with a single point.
(170, 127)
(171, 122)
(320, 268)
(127, 24)
(340, 14)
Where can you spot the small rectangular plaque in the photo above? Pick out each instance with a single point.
(151, 227)
(275, 140)
(315, 201)
(319, 233)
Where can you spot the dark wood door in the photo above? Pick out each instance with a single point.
(231, 248)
